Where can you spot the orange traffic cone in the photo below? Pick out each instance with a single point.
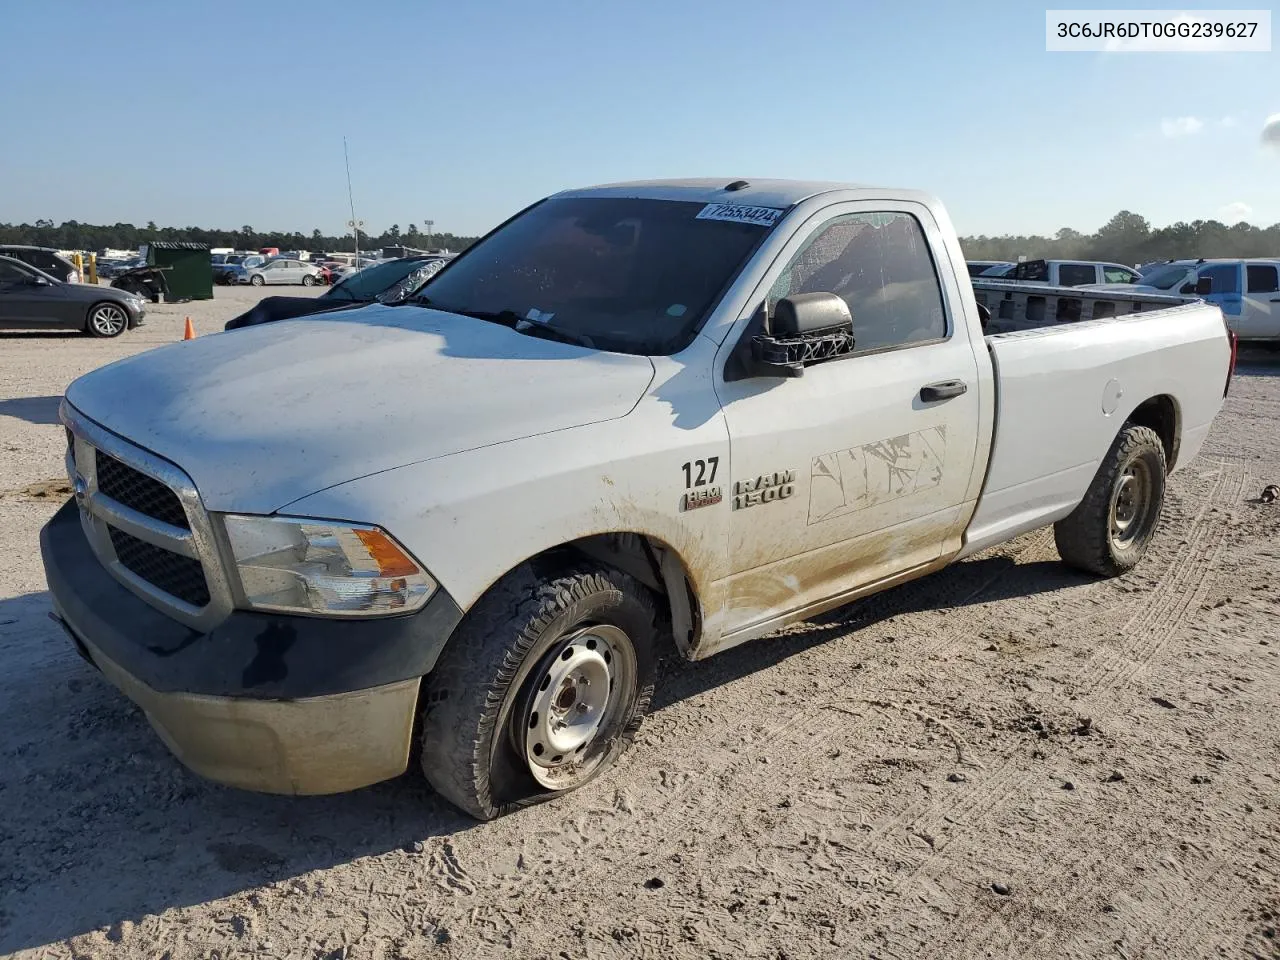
(190, 332)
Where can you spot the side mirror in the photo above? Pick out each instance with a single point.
(1187, 288)
(1204, 286)
(803, 329)
(38, 282)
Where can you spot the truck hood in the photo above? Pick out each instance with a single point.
(263, 416)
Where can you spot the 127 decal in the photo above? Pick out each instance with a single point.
(699, 483)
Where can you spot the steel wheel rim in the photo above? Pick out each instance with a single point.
(1130, 504)
(108, 321)
(567, 715)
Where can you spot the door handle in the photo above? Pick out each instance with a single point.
(1275, 299)
(944, 390)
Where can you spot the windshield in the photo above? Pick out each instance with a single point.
(1000, 270)
(1166, 277)
(631, 275)
(372, 280)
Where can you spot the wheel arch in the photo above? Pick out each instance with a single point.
(1162, 414)
(647, 558)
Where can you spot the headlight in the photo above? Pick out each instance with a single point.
(301, 565)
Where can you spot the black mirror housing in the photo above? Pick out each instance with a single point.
(1204, 286)
(808, 313)
(803, 329)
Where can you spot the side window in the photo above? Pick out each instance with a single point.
(1118, 275)
(1225, 277)
(10, 274)
(1074, 274)
(879, 263)
(1262, 278)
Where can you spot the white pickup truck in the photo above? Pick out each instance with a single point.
(688, 411)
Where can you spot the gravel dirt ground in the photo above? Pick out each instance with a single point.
(1007, 759)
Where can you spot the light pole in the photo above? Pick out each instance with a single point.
(355, 226)
(353, 223)
(430, 224)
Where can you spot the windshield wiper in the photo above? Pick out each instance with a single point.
(524, 324)
(513, 321)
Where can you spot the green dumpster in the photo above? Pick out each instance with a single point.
(190, 273)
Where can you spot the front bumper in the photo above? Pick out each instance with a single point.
(270, 702)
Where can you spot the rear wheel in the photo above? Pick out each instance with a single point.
(107, 320)
(541, 690)
(1109, 532)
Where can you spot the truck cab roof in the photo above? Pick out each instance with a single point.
(760, 192)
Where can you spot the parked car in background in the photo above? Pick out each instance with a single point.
(45, 259)
(1248, 291)
(109, 268)
(233, 271)
(979, 267)
(1062, 273)
(32, 298)
(341, 269)
(388, 282)
(280, 271)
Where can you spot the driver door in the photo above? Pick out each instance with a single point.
(18, 295)
(853, 473)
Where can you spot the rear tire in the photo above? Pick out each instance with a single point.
(541, 690)
(1109, 532)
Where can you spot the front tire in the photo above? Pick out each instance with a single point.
(308, 281)
(1109, 532)
(541, 690)
(256, 280)
(107, 320)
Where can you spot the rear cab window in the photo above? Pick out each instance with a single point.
(1262, 278)
(1075, 274)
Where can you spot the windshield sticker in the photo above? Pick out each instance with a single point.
(537, 316)
(740, 213)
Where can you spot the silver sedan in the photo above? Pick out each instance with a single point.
(282, 271)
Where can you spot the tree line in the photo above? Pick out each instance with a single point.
(73, 235)
(1125, 238)
(1129, 238)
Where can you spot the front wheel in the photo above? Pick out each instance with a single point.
(107, 320)
(308, 281)
(541, 690)
(1109, 532)
(256, 280)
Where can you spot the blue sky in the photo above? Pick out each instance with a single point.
(229, 113)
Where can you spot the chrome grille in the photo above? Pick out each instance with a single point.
(173, 573)
(146, 524)
(133, 488)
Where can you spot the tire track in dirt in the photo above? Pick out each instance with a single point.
(1146, 632)
(1158, 623)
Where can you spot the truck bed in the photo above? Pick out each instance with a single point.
(1024, 306)
(1064, 390)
